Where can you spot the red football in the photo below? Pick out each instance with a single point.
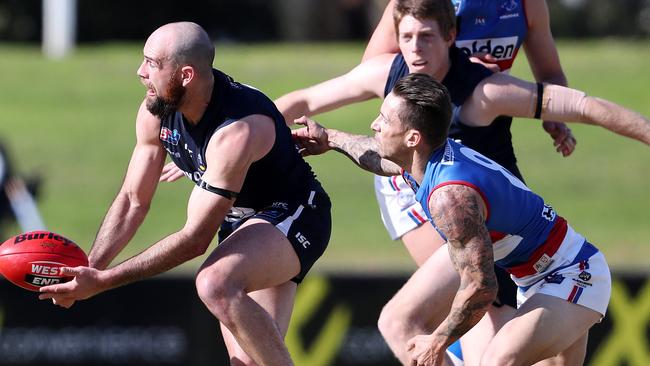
(33, 259)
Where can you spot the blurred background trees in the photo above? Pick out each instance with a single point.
(292, 20)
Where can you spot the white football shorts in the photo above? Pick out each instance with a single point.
(587, 283)
(400, 212)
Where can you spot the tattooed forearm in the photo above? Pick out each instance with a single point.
(458, 211)
(362, 150)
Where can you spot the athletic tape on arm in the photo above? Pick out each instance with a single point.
(560, 103)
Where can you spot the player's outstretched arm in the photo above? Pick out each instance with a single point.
(131, 204)
(229, 154)
(459, 212)
(570, 105)
(502, 94)
(365, 81)
(616, 118)
(314, 139)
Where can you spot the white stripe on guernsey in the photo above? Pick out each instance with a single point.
(285, 225)
(571, 245)
(505, 246)
(311, 197)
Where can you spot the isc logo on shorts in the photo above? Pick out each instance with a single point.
(501, 48)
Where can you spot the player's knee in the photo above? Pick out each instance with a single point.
(384, 321)
(217, 293)
(391, 322)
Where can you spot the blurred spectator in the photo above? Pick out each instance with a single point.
(17, 198)
(300, 20)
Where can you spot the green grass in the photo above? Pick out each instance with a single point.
(72, 122)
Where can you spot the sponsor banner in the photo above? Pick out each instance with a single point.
(163, 322)
(155, 322)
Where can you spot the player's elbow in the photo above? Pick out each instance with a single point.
(136, 208)
(483, 290)
(485, 293)
(489, 294)
(199, 240)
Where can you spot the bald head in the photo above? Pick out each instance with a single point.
(186, 44)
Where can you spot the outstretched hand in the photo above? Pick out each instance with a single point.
(311, 139)
(170, 173)
(422, 351)
(86, 283)
(563, 138)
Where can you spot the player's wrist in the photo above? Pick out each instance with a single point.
(333, 139)
(108, 279)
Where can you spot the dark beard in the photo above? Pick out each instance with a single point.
(162, 107)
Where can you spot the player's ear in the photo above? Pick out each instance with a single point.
(413, 138)
(188, 73)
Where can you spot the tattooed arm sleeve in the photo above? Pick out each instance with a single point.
(363, 151)
(459, 212)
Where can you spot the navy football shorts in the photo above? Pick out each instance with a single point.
(306, 221)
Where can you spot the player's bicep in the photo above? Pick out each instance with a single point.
(229, 155)
(232, 150)
(500, 95)
(459, 212)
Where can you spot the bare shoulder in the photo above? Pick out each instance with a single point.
(452, 196)
(253, 134)
(147, 125)
(457, 210)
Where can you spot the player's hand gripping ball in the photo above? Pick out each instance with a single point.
(34, 259)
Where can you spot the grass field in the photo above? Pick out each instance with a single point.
(72, 123)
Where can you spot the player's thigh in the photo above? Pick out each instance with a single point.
(254, 257)
(422, 242)
(278, 302)
(475, 341)
(542, 327)
(426, 297)
(572, 356)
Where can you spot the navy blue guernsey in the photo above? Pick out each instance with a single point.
(280, 175)
(493, 141)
